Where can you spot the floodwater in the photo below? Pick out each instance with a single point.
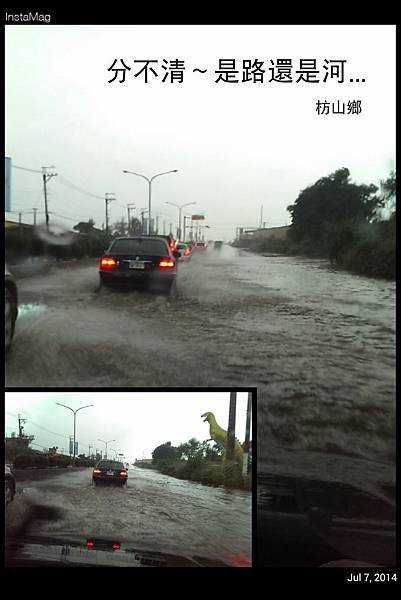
(154, 512)
(318, 343)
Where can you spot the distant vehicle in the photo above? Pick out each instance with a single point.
(186, 252)
(10, 309)
(201, 245)
(110, 470)
(146, 261)
(169, 239)
(218, 245)
(9, 485)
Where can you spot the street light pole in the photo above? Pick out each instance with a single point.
(107, 200)
(180, 207)
(75, 417)
(104, 442)
(143, 211)
(185, 226)
(129, 208)
(149, 180)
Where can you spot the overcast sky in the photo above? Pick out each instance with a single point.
(138, 421)
(236, 146)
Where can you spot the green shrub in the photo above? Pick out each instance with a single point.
(62, 461)
(232, 476)
(22, 461)
(41, 461)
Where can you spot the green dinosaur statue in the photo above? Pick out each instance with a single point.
(219, 435)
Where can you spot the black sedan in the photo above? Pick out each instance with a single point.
(10, 309)
(110, 470)
(143, 261)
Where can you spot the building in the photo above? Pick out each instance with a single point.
(247, 237)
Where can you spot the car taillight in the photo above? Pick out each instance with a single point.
(166, 263)
(90, 544)
(186, 252)
(116, 546)
(172, 245)
(96, 471)
(108, 262)
(241, 560)
(123, 473)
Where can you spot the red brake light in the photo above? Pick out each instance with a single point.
(96, 470)
(166, 263)
(116, 546)
(108, 262)
(186, 252)
(241, 560)
(90, 544)
(123, 473)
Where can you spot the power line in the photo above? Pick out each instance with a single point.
(25, 169)
(62, 180)
(64, 217)
(69, 184)
(48, 430)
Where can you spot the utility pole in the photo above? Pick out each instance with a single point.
(35, 210)
(261, 217)
(171, 228)
(20, 222)
(89, 451)
(46, 177)
(245, 464)
(164, 227)
(157, 225)
(20, 428)
(231, 426)
(107, 200)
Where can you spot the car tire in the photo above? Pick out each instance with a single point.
(9, 319)
(9, 491)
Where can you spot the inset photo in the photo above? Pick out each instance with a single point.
(130, 479)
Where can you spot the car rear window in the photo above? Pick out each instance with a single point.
(139, 246)
(110, 464)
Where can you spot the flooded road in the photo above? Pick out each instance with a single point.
(154, 512)
(319, 344)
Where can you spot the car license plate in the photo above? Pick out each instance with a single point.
(110, 472)
(136, 264)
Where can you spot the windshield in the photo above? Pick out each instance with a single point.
(139, 246)
(110, 464)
